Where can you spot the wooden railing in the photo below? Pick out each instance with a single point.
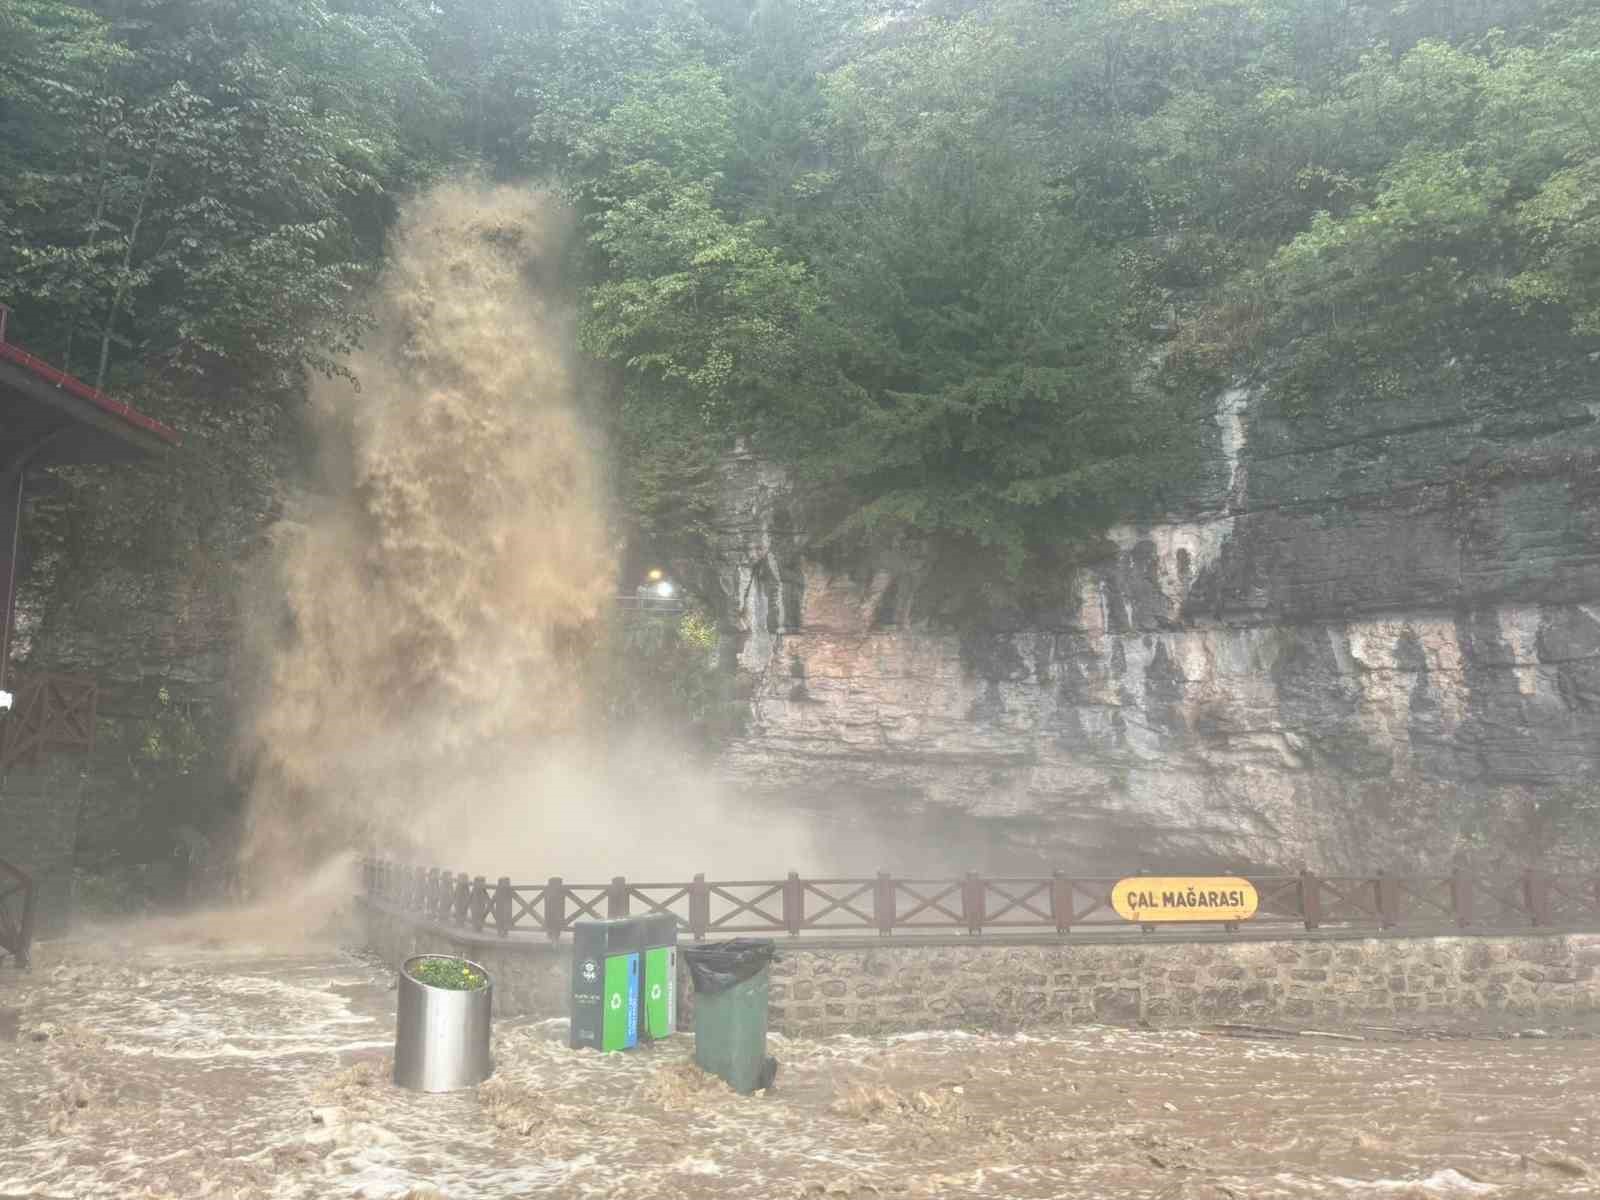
(654, 604)
(1057, 903)
(16, 912)
(49, 713)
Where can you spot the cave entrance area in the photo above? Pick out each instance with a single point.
(47, 419)
(646, 580)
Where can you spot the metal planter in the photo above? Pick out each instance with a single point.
(441, 1037)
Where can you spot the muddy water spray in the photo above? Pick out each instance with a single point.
(456, 562)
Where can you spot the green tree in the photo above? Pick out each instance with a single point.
(1480, 234)
(209, 172)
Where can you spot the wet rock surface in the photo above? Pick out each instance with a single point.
(182, 1072)
(1369, 638)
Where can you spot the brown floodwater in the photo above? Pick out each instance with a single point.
(185, 1072)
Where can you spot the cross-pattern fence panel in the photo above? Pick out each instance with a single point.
(50, 713)
(974, 904)
(839, 903)
(1012, 903)
(1574, 899)
(928, 904)
(1087, 902)
(642, 899)
(1345, 899)
(1278, 897)
(744, 906)
(1499, 903)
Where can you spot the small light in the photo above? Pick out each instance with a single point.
(6, 700)
(664, 588)
(655, 575)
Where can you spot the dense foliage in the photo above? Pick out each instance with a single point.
(661, 674)
(451, 974)
(973, 270)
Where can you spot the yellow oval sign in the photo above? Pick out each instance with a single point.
(1149, 899)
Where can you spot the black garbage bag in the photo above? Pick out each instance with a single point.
(769, 1073)
(717, 966)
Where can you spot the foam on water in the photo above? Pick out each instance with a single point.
(269, 1081)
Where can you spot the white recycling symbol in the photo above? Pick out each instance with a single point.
(655, 992)
(616, 999)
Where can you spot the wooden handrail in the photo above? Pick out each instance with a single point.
(973, 904)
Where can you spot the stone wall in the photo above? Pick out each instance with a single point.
(821, 987)
(38, 832)
(1387, 980)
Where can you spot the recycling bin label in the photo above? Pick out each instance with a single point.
(621, 999)
(660, 991)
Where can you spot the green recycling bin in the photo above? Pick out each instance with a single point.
(730, 1010)
(624, 981)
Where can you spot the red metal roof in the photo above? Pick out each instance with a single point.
(12, 352)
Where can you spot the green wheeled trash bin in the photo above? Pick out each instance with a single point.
(730, 1010)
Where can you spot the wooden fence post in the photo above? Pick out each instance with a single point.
(1461, 897)
(1388, 897)
(1061, 900)
(30, 911)
(555, 907)
(463, 899)
(1310, 900)
(699, 907)
(431, 906)
(617, 898)
(794, 904)
(419, 890)
(883, 907)
(502, 906)
(478, 904)
(1536, 891)
(972, 902)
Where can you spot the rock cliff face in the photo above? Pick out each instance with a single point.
(1371, 638)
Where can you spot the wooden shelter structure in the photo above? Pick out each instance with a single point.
(47, 418)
